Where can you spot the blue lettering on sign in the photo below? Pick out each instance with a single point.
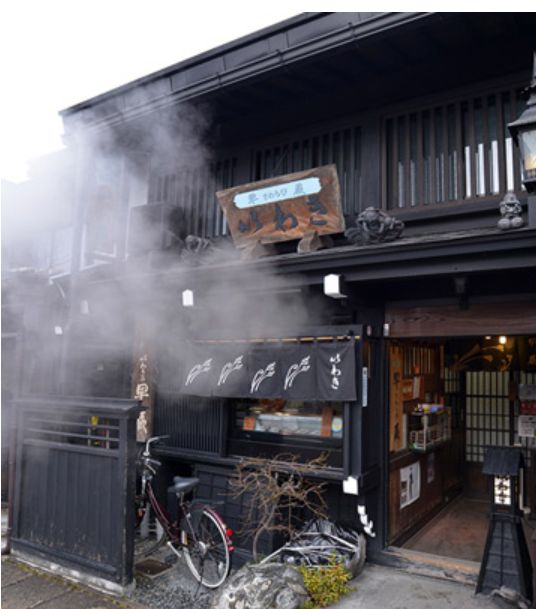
(278, 193)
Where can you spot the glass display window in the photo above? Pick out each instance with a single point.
(290, 418)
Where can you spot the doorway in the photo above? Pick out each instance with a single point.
(450, 399)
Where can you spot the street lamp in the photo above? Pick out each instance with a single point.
(523, 132)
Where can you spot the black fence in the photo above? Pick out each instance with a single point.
(75, 484)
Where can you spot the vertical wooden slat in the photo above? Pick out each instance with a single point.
(500, 142)
(460, 153)
(445, 163)
(485, 120)
(420, 169)
(356, 169)
(218, 181)
(407, 162)
(349, 163)
(393, 196)
(211, 200)
(472, 147)
(384, 166)
(433, 177)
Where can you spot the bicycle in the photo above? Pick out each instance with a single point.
(199, 534)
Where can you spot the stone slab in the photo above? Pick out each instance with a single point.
(12, 573)
(31, 591)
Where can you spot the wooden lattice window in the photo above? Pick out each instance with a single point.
(341, 147)
(453, 152)
(193, 190)
(489, 417)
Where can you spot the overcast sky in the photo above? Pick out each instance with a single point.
(56, 53)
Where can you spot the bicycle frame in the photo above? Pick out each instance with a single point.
(171, 529)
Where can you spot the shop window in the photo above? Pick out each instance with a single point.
(453, 152)
(289, 418)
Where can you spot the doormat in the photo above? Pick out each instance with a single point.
(152, 568)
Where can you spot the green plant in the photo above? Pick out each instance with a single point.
(325, 584)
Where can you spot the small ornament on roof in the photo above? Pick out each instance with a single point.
(374, 226)
(510, 209)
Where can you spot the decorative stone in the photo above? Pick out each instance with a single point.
(510, 209)
(374, 226)
(270, 586)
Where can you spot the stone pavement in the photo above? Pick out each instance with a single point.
(388, 588)
(24, 587)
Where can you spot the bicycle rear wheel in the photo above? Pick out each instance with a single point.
(206, 548)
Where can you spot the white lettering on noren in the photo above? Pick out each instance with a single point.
(262, 375)
(230, 367)
(296, 369)
(197, 370)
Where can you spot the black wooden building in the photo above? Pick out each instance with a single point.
(412, 110)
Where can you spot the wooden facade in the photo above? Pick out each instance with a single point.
(412, 110)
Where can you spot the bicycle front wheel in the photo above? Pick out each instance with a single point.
(206, 548)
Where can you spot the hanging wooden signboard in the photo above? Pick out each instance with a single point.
(284, 208)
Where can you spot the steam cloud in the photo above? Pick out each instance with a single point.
(143, 302)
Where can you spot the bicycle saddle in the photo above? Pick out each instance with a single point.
(183, 485)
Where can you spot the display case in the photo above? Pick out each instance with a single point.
(428, 426)
(289, 418)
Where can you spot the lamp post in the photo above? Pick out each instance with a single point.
(523, 131)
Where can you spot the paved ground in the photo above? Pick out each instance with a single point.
(24, 587)
(377, 587)
(386, 588)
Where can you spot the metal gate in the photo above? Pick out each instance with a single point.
(75, 485)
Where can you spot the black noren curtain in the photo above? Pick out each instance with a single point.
(309, 371)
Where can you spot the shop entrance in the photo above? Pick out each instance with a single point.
(449, 399)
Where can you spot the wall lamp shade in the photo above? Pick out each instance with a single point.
(523, 132)
(334, 286)
(187, 298)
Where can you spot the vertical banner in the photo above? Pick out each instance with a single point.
(143, 389)
(336, 378)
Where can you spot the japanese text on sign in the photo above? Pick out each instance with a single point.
(274, 194)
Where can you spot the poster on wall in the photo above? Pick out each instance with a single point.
(410, 484)
(526, 426)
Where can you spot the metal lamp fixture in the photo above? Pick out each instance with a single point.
(523, 132)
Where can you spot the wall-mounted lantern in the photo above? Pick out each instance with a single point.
(523, 132)
(506, 560)
(335, 286)
(187, 298)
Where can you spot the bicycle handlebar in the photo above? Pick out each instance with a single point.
(150, 441)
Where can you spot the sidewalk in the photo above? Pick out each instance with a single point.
(387, 588)
(24, 587)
